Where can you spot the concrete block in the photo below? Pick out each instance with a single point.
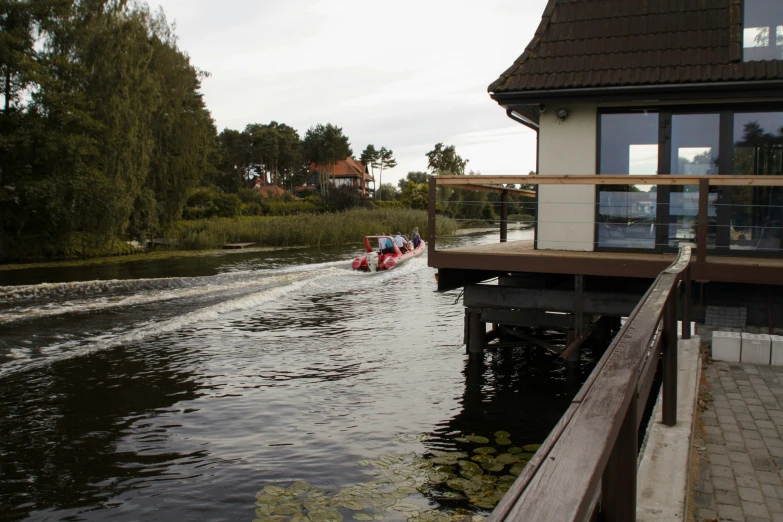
(776, 350)
(755, 348)
(726, 346)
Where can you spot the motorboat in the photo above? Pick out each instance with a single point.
(375, 259)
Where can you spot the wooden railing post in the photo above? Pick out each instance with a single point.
(504, 216)
(670, 362)
(701, 234)
(618, 484)
(686, 303)
(431, 217)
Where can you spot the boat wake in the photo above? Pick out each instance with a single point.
(195, 300)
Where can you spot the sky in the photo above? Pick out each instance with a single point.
(403, 75)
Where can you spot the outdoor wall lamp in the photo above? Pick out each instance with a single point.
(561, 113)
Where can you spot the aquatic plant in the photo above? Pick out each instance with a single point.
(465, 486)
(304, 229)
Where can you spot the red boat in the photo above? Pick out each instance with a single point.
(376, 260)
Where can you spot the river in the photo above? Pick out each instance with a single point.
(180, 389)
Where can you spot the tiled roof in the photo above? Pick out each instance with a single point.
(348, 167)
(608, 43)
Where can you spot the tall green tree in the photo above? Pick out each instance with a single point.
(370, 157)
(445, 160)
(325, 145)
(415, 177)
(385, 160)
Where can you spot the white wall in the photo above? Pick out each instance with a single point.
(566, 214)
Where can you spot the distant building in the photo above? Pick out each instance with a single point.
(267, 191)
(348, 172)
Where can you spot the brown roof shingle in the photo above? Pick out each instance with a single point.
(608, 43)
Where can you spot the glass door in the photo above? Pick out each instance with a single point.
(755, 212)
(694, 150)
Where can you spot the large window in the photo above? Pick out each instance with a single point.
(762, 37)
(626, 214)
(756, 218)
(694, 151)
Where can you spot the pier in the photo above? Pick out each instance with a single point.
(592, 455)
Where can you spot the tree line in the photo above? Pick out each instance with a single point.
(105, 137)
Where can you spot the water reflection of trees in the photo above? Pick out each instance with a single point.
(755, 211)
(523, 391)
(62, 426)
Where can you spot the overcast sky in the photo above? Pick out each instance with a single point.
(403, 75)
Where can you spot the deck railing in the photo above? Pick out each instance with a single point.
(719, 209)
(588, 464)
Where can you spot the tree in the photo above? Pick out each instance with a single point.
(370, 157)
(387, 191)
(415, 195)
(325, 145)
(445, 160)
(385, 160)
(415, 177)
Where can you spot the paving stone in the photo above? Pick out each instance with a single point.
(733, 437)
(775, 451)
(755, 509)
(729, 512)
(703, 500)
(756, 519)
(706, 514)
(747, 482)
(751, 434)
(769, 491)
(736, 456)
(730, 498)
(722, 471)
(724, 483)
(767, 477)
(774, 505)
(741, 468)
(763, 464)
(751, 494)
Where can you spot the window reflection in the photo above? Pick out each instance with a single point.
(756, 211)
(626, 213)
(695, 147)
(762, 36)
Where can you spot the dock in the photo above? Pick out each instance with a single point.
(235, 246)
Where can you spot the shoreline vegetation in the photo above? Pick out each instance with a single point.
(195, 237)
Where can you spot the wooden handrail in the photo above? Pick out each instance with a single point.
(609, 179)
(595, 442)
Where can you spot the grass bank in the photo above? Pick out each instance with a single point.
(305, 229)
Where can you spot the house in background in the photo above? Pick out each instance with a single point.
(345, 173)
(267, 191)
(654, 88)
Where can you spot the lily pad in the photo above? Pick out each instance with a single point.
(517, 468)
(459, 484)
(402, 506)
(502, 434)
(469, 469)
(526, 456)
(515, 450)
(478, 439)
(352, 505)
(484, 450)
(500, 441)
(274, 491)
(326, 515)
(506, 459)
(437, 477)
(298, 487)
(531, 447)
(363, 516)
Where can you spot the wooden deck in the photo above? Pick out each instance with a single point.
(520, 256)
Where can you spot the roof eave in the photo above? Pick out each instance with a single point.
(752, 90)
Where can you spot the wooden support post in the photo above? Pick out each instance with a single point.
(504, 216)
(476, 333)
(579, 291)
(431, 217)
(670, 362)
(618, 484)
(701, 236)
(686, 304)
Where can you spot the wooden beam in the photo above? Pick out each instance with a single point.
(532, 318)
(490, 188)
(610, 179)
(492, 296)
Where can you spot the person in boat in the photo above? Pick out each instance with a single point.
(401, 242)
(416, 237)
(385, 246)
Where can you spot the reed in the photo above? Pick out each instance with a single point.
(305, 229)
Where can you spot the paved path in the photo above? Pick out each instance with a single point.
(739, 450)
